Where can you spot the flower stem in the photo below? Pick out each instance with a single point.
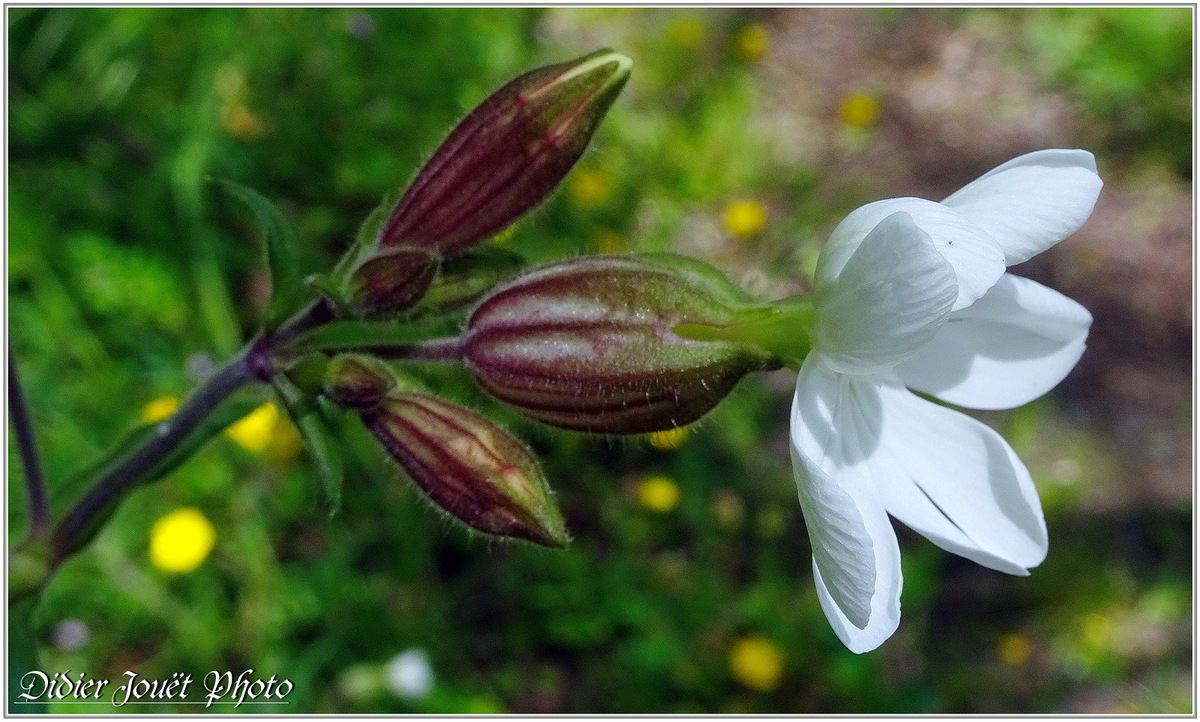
(169, 434)
(39, 510)
(442, 349)
(251, 365)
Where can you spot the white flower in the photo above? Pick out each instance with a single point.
(914, 294)
(409, 674)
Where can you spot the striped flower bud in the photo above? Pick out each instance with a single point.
(354, 381)
(468, 466)
(507, 155)
(589, 344)
(392, 280)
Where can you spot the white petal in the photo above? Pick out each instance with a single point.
(1010, 347)
(856, 559)
(889, 300)
(957, 482)
(977, 258)
(1032, 202)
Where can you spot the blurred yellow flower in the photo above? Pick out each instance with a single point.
(670, 439)
(1097, 631)
(859, 110)
(752, 42)
(686, 32)
(159, 409)
(658, 493)
(589, 187)
(255, 430)
(608, 242)
(757, 663)
(181, 540)
(1014, 648)
(237, 119)
(242, 123)
(744, 219)
(286, 442)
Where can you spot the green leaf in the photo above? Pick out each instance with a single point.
(287, 287)
(22, 654)
(358, 335)
(368, 235)
(464, 278)
(320, 436)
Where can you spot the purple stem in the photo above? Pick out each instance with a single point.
(39, 510)
(442, 349)
(251, 365)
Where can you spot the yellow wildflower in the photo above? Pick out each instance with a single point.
(1097, 631)
(757, 663)
(859, 110)
(589, 187)
(285, 443)
(242, 123)
(744, 219)
(1014, 648)
(658, 493)
(237, 119)
(255, 430)
(608, 242)
(181, 540)
(159, 409)
(670, 439)
(752, 42)
(686, 32)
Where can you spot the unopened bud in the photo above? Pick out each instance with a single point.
(589, 345)
(469, 466)
(392, 280)
(507, 155)
(357, 382)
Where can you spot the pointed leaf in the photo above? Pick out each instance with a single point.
(287, 288)
(465, 278)
(320, 438)
(368, 234)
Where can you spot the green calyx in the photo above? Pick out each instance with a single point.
(783, 329)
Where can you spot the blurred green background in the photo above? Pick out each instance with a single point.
(742, 138)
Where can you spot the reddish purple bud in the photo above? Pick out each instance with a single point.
(354, 381)
(469, 466)
(507, 155)
(589, 345)
(392, 280)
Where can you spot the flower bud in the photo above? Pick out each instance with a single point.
(392, 280)
(507, 155)
(589, 345)
(469, 466)
(357, 382)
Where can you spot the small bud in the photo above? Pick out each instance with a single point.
(357, 382)
(589, 344)
(507, 155)
(469, 466)
(392, 280)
